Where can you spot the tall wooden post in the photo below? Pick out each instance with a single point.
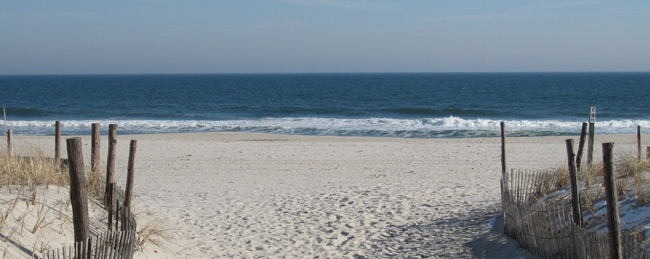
(503, 148)
(613, 219)
(590, 144)
(57, 142)
(638, 141)
(581, 145)
(573, 175)
(94, 154)
(110, 173)
(130, 172)
(78, 197)
(9, 148)
(110, 166)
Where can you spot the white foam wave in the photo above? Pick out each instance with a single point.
(432, 127)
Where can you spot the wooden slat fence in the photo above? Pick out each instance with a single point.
(119, 241)
(546, 228)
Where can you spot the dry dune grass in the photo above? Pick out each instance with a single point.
(30, 171)
(26, 176)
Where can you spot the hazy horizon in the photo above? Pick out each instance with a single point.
(322, 36)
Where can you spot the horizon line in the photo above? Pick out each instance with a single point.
(322, 73)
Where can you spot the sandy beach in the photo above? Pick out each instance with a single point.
(259, 195)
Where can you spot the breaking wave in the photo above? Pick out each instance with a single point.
(371, 127)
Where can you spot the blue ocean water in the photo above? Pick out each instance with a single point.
(427, 105)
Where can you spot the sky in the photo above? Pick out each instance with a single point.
(322, 36)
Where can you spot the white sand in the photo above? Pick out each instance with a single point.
(259, 195)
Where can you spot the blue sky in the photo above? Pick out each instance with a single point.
(303, 36)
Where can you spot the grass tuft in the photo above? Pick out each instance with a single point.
(30, 171)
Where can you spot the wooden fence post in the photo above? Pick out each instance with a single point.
(638, 141)
(9, 148)
(129, 178)
(94, 154)
(110, 166)
(57, 142)
(575, 196)
(613, 219)
(110, 173)
(590, 144)
(503, 148)
(78, 197)
(647, 152)
(581, 145)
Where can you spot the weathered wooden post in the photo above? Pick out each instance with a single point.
(94, 154)
(581, 145)
(9, 148)
(503, 148)
(110, 166)
(573, 175)
(57, 142)
(613, 219)
(647, 152)
(590, 145)
(130, 172)
(78, 197)
(638, 141)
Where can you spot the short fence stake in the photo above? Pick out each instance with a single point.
(503, 148)
(581, 145)
(638, 141)
(575, 197)
(9, 149)
(590, 144)
(57, 142)
(94, 154)
(129, 178)
(613, 218)
(78, 195)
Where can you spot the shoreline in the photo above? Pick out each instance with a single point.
(254, 194)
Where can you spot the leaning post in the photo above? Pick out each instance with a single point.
(78, 195)
(613, 218)
(573, 175)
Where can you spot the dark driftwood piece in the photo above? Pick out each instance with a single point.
(613, 218)
(78, 195)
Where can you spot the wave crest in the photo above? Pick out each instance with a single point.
(383, 127)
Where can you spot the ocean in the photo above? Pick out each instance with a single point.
(402, 105)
